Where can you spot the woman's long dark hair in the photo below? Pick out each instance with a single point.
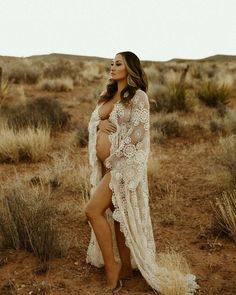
(137, 79)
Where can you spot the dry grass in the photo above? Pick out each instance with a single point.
(224, 209)
(170, 204)
(213, 94)
(41, 111)
(57, 84)
(27, 220)
(225, 156)
(172, 266)
(92, 71)
(66, 175)
(25, 145)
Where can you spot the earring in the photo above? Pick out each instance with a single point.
(130, 82)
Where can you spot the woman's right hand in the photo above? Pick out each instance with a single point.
(107, 126)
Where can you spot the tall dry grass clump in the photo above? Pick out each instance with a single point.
(174, 274)
(225, 156)
(224, 210)
(22, 70)
(4, 86)
(213, 94)
(27, 221)
(66, 175)
(28, 144)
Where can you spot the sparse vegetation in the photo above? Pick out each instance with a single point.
(27, 221)
(224, 209)
(226, 156)
(28, 144)
(213, 94)
(56, 84)
(38, 112)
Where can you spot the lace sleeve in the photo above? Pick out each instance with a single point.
(134, 147)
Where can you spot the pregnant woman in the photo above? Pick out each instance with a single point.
(118, 210)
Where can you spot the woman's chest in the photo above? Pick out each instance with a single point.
(117, 112)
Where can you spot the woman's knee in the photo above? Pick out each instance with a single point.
(91, 211)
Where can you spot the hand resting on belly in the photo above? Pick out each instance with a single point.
(103, 143)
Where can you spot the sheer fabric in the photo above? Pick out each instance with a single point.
(129, 151)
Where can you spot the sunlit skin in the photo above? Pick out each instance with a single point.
(119, 73)
(101, 199)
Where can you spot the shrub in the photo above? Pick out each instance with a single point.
(224, 123)
(60, 68)
(56, 84)
(225, 214)
(4, 85)
(169, 98)
(66, 175)
(227, 156)
(168, 126)
(23, 72)
(213, 94)
(27, 221)
(38, 112)
(24, 145)
(81, 136)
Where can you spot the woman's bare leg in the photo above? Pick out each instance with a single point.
(95, 209)
(126, 270)
(124, 252)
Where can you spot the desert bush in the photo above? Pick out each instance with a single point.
(171, 100)
(226, 156)
(224, 210)
(57, 84)
(66, 175)
(27, 221)
(23, 72)
(24, 145)
(224, 123)
(38, 112)
(168, 125)
(91, 71)
(4, 85)
(61, 68)
(81, 136)
(213, 94)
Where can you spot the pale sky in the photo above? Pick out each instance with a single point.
(153, 29)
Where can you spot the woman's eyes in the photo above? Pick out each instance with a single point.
(116, 64)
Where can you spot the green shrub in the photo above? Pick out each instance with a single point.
(173, 99)
(168, 126)
(37, 113)
(213, 94)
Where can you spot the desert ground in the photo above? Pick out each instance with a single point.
(45, 106)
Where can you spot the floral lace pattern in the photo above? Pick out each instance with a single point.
(129, 151)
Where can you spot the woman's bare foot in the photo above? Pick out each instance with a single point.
(113, 275)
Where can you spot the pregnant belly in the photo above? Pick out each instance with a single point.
(103, 145)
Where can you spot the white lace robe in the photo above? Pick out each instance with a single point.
(128, 159)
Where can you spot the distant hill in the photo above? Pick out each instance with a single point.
(55, 56)
(216, 58)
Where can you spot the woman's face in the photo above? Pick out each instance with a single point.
(118, 70)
